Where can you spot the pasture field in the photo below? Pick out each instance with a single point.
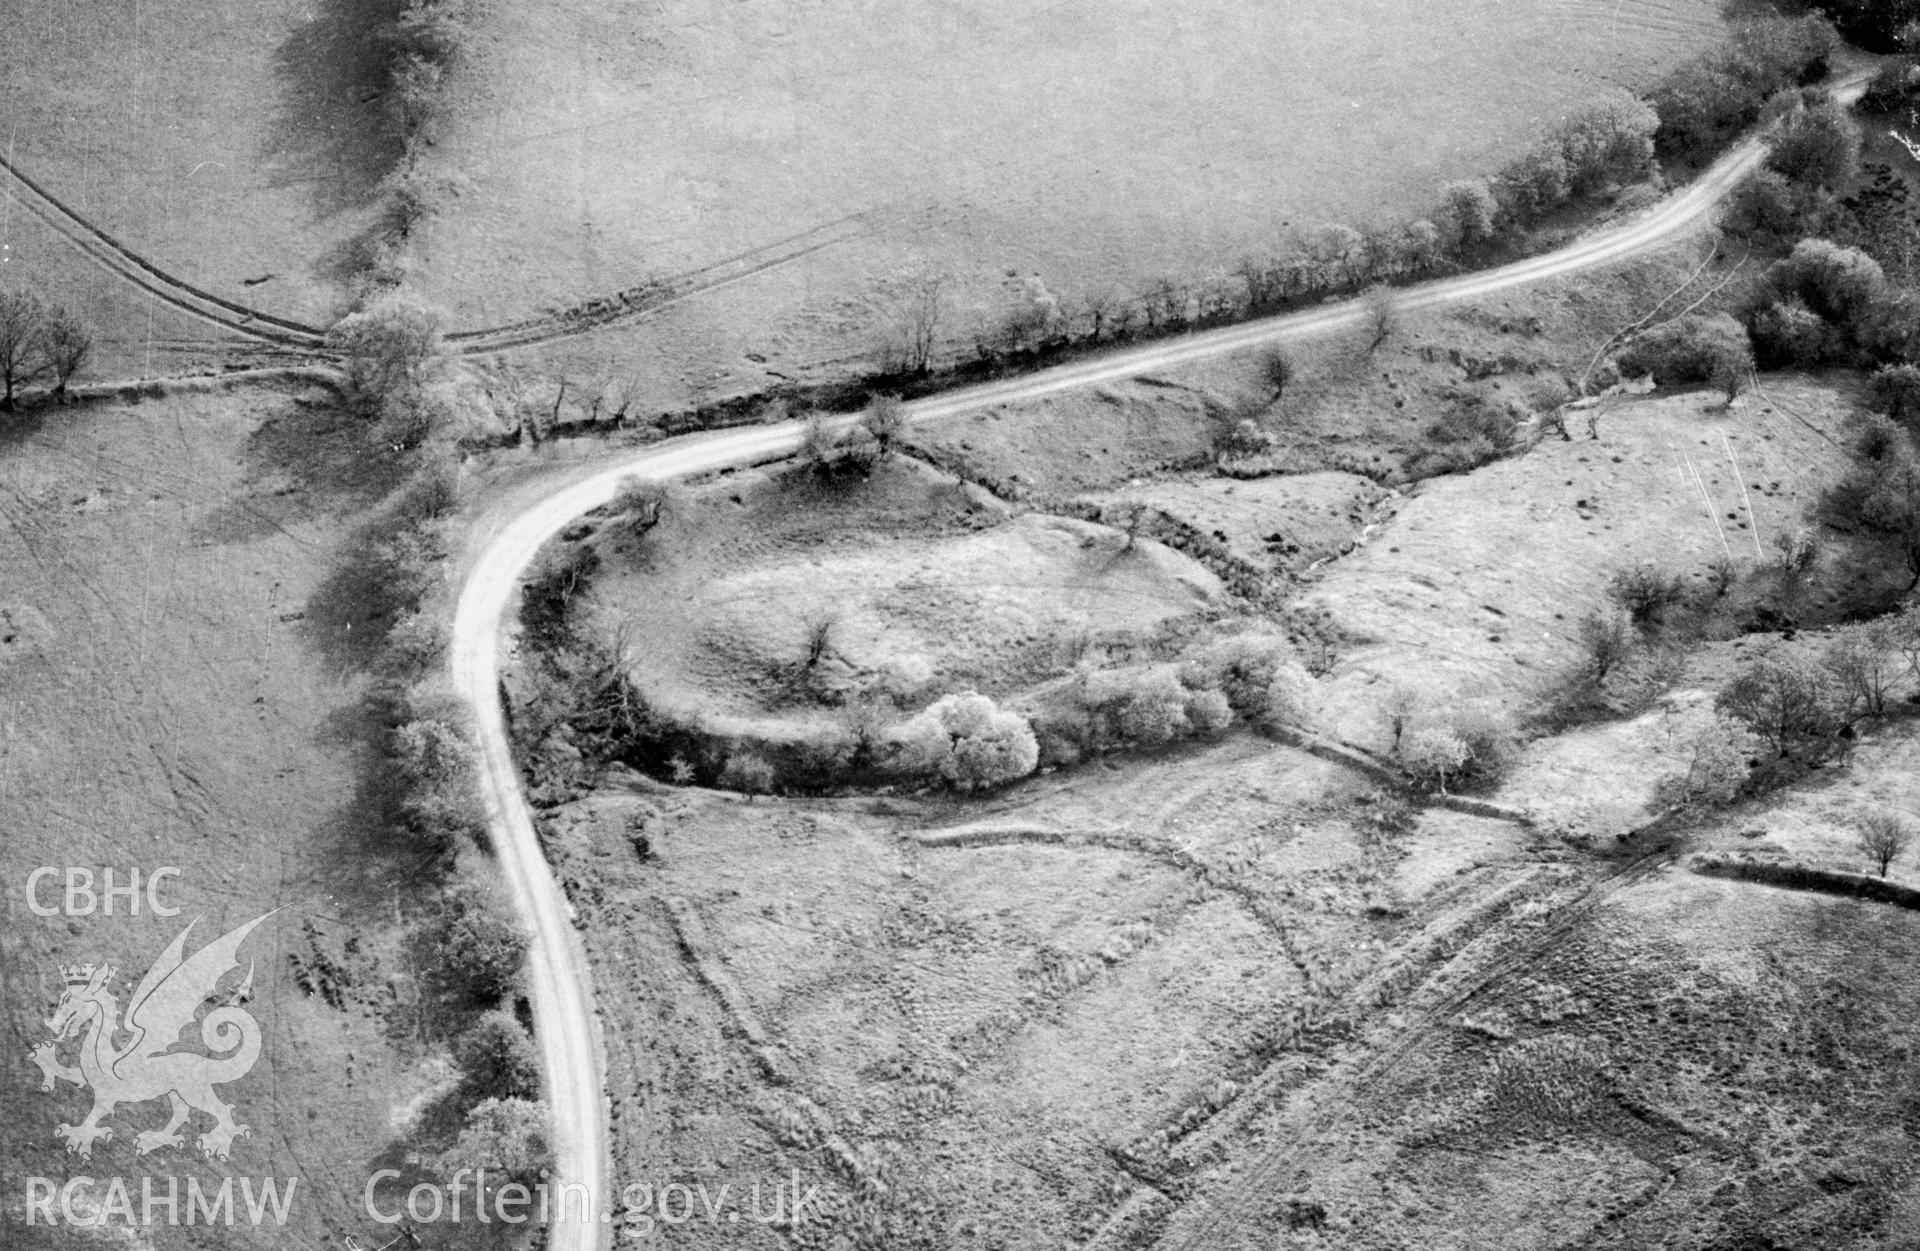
(1095, 146)
(179, 687)
(225, 142)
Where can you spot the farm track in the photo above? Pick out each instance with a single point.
(297, 337)
(108, 252)
(1253, 1188)
(651, 297)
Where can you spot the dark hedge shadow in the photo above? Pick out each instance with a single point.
(332, 128)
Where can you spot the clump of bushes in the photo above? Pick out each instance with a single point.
(1788, 700)
(1720, 751)
(1607, 144)
(1647, 592)
(1895, 391)
(1878, 497)
(835, 455)
(1145, 707)
(1828, 303)
(969, 741)
(477, 953)
(1876, 25)
(497, 1059)
(1709, 348)
(1816, 144)
(1465, 744)
(395, 366)
(1470, 431)
(1706, 101)
(1258, 676)
(1894, 89)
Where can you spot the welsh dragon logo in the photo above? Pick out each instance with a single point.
(145, 1065)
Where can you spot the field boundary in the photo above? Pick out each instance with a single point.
(1793, 875)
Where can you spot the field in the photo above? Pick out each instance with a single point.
(214, 138)
(1096, 147)
(178, 687)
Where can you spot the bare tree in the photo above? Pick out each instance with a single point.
(1278, 369)
(819, 623)
(1100, 304)
(643, 503)
(1884, 837)
(68, 344)
(1129, 516)
(1383, 316)
(886, 420)
(23, 356)
(917, 327)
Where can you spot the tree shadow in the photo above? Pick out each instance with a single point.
(307, 459)
(332, 129)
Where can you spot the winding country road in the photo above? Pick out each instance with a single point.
(563, 1011)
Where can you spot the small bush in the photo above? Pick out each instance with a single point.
(1720, 754)
(748, 772)
(1786, 699)
(1209, 712)
(1610, 142)
(1884, 837)
(1646, 592)
(497, 1060)
(1895, 391)
(1763, 207)
(1433, 754)
(1786, 334)
(1470, 214)
(480, 952)
(642, 504)
(1606, 639)
(1466, 743)
(1816, 145)
(885, 421)
(1153, 710)
(1709, 348)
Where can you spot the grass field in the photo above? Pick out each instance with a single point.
(1097, 146)
(220, 140)
(176, 689)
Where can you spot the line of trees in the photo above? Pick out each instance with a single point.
(38, 342)
(1598, 151)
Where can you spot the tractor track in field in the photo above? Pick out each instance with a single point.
(1212, 1219)
(582, 317)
